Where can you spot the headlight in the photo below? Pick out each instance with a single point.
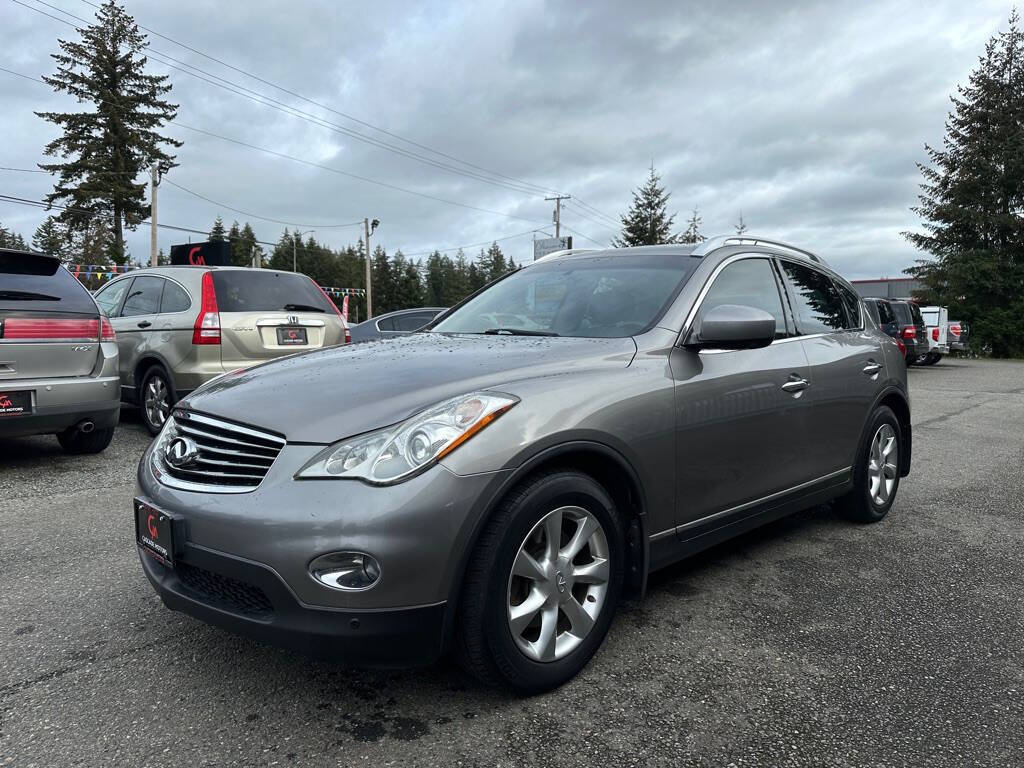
(397, 453)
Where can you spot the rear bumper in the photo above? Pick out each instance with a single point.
(250, 599)
(62, 403)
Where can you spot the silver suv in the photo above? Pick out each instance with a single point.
(495, 489)
(58, 359)
(179, 327)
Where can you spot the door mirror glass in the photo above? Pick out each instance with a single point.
(732, 326)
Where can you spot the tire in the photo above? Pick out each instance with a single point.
(156, 388)
(487, 646)
(76, 443)
(932, 358)
(863, 504)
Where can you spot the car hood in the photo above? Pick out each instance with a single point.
(333, 393)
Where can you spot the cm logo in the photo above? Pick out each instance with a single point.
(195, 256)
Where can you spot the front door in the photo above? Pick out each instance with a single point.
(741, 416)
(135, 323)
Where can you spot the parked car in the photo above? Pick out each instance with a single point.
(496, 490)
(913, 332)
(178, 327)
(397, 323)
(884, 315)
(958, 334)
(936, 321)
(58, 356)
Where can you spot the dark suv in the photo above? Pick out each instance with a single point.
(902, 320)
(58, 356)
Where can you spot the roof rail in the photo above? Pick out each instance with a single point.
(564, 252)
(719, 241)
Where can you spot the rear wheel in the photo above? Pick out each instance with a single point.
(932, 358)
(876, 476)
(156, 398)
(74, 441)
(543, 583)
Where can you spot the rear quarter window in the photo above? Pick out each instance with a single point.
(266, 291)
(39, 283)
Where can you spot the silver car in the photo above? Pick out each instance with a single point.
(58, 357)
(179, 327)
(495, 490)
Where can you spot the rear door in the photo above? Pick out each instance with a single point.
(49, 324)
(846, 363)
(135, 321)
(265, 314)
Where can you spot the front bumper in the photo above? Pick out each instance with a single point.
(252, 600)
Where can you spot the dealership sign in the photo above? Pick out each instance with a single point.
(550, 245)
(210, 254)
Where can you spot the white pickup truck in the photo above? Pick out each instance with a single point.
(937, 321)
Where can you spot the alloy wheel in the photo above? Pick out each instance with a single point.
(558, 584)
(157, 401)
(883, 466)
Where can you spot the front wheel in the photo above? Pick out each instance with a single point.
(876, 475)
(543, 583)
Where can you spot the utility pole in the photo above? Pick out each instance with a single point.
(154, 259)
(369, 227)
(558, 212)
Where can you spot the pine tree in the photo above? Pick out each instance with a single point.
(492, 264)
(693, 225)
(11, 239)
(647, 221)
(217, 232)
(971, 199)
(51, 238)
(741, 225)
(383, 282)
(106, 149)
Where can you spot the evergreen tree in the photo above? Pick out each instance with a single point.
(971, 199)
(107, 148)
(51, 238)
(693, 225)
(162, 259)
(217, 233)
(492, 263)
(245, 251)
(647, 222)
(408, 283)
(383, 282)
(435, 280)
(741, 225)
(11, 239)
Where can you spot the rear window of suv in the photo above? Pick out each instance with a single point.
(260, 291)
(31, 281)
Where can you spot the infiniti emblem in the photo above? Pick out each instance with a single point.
(181, 452)
(560, 581)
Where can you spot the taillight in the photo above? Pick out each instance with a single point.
(107, 330)
(51, 329)
(935, 334)
(902, 347)
(909, 332)
(207, 326)
(348, 336)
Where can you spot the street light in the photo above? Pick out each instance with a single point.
(297, 236)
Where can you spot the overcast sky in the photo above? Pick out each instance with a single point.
(806, 116)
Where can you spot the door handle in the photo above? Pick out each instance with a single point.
(872, 368)
(145, 324)
(796, 385)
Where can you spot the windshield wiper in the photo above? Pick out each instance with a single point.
(518, 332)
(303, 308)
(27, 296)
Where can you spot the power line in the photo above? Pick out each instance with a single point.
(472, 245)
(22, 170)
(334, 111)
(579, 212)
(256, 216)
(586, 237)
(588, 207)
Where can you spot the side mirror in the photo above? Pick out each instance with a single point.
(731, 326)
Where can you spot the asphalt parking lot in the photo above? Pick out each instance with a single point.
(812, 642)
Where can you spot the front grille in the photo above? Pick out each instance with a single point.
(228, 458)
(224, 592)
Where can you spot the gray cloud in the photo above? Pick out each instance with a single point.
(808, 117)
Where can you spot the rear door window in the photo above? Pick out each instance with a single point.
(816, 302)
(851, 301)
(413, 321)
(266, 291)
(885, 313)
(175, 299)
(34, 282)
(902, 312)
(749, 283)
(143, 297)
(109, 297)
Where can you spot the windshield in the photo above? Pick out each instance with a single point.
(605, 296)
(263, 291)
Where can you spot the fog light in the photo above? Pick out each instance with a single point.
(349, 571)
